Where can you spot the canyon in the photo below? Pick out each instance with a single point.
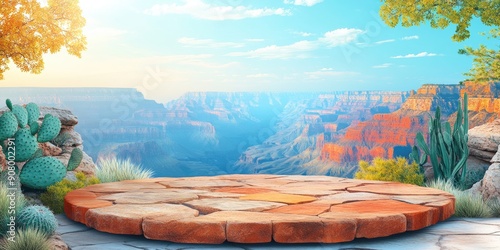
(211, 133)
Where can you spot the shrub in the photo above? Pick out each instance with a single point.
(37, 217)
(390, 170)
(54, 196)
(494, 205)
(29, 239)
(5, 206)
(112, 169)
(466, 204)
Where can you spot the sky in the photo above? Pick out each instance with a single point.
(167, 48)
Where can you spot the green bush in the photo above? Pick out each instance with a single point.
(54, 196)
(112, 169)
(466, 204)
(30, 239)
(390, 170)
(494, 205)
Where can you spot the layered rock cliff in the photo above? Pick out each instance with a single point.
(392, 135)
(305, 128)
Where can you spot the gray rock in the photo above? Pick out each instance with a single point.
(67, 118)
(490, 185)
(484, 138)
(496, 157)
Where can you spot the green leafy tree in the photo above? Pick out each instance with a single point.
(460, 13)
(28, 30)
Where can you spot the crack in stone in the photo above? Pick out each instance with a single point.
(439, 243)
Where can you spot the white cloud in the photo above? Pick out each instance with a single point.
(295, 50)
(381, 66)
(202, 10)
(340, 36)
(300, 49)
(385, 41)
(327, 72)
(304, 34)
(303, 2)
(421, 54)
(207, 43)
(409, 38)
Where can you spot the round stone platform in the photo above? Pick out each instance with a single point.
(257, 208)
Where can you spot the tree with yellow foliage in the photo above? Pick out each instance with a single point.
(441, 14)
(29, 29)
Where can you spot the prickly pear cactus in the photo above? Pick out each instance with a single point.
(41, 172)
(21, 115)
(33, 112)
(51, 126)
(8, 125)
(26, 145)
(75, 159)
(37, 217)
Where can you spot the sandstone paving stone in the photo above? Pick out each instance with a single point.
(115, 187)
(307, 192)
(372, 225)
(397, 189)
(417, 216)
(446, 208)
(305, 209)
(219, 195)
(196, 230)
(419, 199)
(128, 218)
(279, 197)
(211, 205)
(149, 198)
(312, 178)
(201, 183)
(76, 209)
(343, 197)
(266, 183)
(244, 190)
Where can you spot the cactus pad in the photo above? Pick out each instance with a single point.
(8, 102)
(37, 217)
(33, 112)
(39, 173)
(26, 144)
(8, 125)
(75, 159)
(51, 126)
(21, 115)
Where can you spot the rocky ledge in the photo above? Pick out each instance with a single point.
(258, 208)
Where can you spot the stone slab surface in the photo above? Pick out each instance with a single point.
(251, 209)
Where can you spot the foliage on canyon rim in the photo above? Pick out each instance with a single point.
(29, 29)
(441, 14)
(53, 197)
(390, 170)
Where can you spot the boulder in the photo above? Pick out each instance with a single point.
(484, 140)
(489, 186)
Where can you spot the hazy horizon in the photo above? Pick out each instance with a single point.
(165, 49)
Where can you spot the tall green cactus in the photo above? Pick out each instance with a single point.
(447, 149)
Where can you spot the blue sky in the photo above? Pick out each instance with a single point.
(167, 48)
